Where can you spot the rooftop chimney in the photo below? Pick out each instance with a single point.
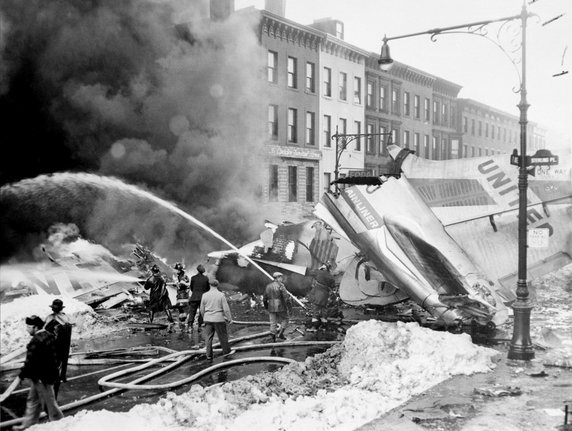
(277, 7)
(221, 9)
(335, 27)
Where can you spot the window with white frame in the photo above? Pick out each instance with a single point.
(369, 96)
(292, 125)
(417, 106)
(357, 89)
(273, 183)
(273, 121)
(327, 126)
(310, 128)
(357, 128)
(370, 146)
(343, 86)
(406, 103)
(327, 82)
(310, 77)
(292, 72)
(272, 67)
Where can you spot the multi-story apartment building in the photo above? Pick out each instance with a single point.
(318, 85)
(484, 130)
(293, 155)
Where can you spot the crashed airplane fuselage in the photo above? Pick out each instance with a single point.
(407, 240)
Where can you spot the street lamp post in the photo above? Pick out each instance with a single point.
(521, 347)
(342, 142)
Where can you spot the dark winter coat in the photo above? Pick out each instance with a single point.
(158, 296)
(276, 299)
(199, 285)
(41, 359)
(61, 328)
(322, 285)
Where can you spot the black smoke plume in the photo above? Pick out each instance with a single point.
(112, 88)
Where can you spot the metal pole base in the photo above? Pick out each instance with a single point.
(521, 347)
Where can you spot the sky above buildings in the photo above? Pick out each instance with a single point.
(481, 68)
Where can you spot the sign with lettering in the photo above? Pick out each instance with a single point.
(538, 238)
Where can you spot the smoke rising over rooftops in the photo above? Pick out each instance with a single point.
(113, 88)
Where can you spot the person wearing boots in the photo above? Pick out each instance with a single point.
(158, 295)
(322, 285)
(182, 282)
(199, 285)
(216, 314)
(41, 368)
(60, 325)
(277, 303)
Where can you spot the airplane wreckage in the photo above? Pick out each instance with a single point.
(442, 234)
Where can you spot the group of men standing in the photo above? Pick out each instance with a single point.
(45, 365)
(199, 297)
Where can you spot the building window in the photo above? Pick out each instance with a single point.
(273, 121)
(444, 114)
(309, 184)
(327, 181)
(327, 131)
(327, 82)
(310, 128)
(487, 130)
(292, 125)
(383, 140)
(310, 77)
(434, 149)
(292, 183)
(342, 126)
(357, 126)
(416, 143)
(273, 184)
(465, 124)
(435, 112)
(272, 67)
(453, 117)
(370, 146)
(292, 72)
(406, 103)
(406, 138)
(473, 126)
(444, 149)
(343, 84)
(382, 98)
(426, 146)
(369, 101)
(493, 132)
(357, 89)
(417, 106)
(427, 110)
(340, 30)
(395, 101)
(480, 128)
(394, 136)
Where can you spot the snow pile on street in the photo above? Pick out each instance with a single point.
(88, 324)
(378, 366)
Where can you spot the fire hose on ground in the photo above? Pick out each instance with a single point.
(182, 356)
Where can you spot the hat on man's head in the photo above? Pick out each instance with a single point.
(57, 305)
(179, 266)
(155, 268)
(35, 321)
(214, 283)
(277, 274)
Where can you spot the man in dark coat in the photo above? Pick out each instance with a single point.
(277, 303)
(41, 368)
(158, 295)
(322, 285)
(182, 282)
(60, 325)
(199, 286)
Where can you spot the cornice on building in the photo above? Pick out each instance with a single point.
(446, 87)
(275, 26)
(334, 46)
